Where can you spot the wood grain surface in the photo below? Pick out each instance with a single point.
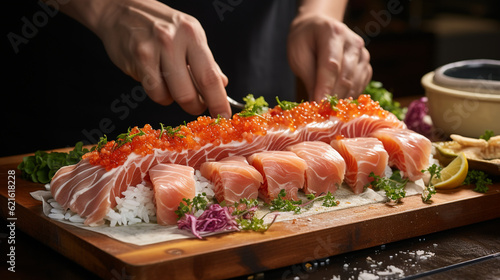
(243, 253)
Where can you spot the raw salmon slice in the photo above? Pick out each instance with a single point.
(362, 155)
(408, 151)
(172, 183)
(233, 179)
(325, 166)
(280, 170)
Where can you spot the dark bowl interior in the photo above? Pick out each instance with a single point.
(475, 71)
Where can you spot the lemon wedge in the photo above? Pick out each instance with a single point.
(452, 175)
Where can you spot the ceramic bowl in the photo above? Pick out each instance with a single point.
(456, 106)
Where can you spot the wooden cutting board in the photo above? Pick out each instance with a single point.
(242, 253)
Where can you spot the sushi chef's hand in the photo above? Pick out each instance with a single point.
(155, 44)
(325, 54)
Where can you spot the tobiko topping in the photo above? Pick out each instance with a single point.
(215, 131)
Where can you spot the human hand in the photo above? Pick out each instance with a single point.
(165, 49)
(328, 57)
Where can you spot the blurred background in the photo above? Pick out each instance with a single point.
(421, 35)
(64, 65)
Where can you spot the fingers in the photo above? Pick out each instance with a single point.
(329, 65)
(329, 58)
(302, 60)
(178, 79)
(180, 68)
(210, 81)
(343, 67)
(365, 71)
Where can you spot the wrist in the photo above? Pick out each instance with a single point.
(89, 13)
(330, 8)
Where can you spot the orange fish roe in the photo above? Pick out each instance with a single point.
(349, 109)
(206, 130)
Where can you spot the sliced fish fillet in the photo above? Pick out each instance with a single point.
(408, 151)
(172, 183)
(362, 156)
(280, 170)
(325, 166)
(233, 179)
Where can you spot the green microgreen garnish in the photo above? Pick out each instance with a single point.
(41, 167)
(393, 186)
(243, 205)
(217, 120)
(282, 204)
(333, 100)
(170, 131)
(244, 212)
(102, 142)
(126, 137)
(435, 171)
(487, 135)
(253, 224)
(253, 107)
(188, 206)
(479, 179)
(286, 105)
(328, 199)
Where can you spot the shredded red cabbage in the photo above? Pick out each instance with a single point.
(213, 219)
(417, 118)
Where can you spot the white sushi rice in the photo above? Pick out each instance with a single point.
(136, 206)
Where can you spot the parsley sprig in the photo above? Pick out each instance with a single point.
(479, 179)
(244, 211)
(328, 199)
(286, 105)
(487, 135)
(285, 205)
(254, 107)
(393, 186)
(435, 172)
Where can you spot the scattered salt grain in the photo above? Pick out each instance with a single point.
(367, 276)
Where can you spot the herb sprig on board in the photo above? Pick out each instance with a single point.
(479, 179)
(42, 166)
(393, 186)
(435, 172)
(282, 204)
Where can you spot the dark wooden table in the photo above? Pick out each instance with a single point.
(469, 252)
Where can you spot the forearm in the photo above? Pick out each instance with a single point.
(88, 12)
(332, 8)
